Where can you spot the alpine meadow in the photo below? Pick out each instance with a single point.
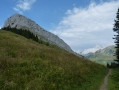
(59, 45)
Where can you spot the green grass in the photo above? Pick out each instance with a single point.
(114, 80)
(28, 65)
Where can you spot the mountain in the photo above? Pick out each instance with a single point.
(28, 65)
(21, 22)
(102, 56)
(90, 50)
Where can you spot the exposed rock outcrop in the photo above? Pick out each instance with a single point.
(22, 22)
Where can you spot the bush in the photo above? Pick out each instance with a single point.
(112, 65)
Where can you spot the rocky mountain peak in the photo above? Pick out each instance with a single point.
(21, 22)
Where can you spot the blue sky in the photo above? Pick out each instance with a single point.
(80, 23)
(44, 12)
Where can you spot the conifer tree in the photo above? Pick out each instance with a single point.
(116, 29)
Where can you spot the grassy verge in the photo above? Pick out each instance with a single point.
(28, 65)
(114, 80)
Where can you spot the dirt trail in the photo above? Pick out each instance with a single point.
(104, 86)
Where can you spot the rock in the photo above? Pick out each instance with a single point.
(21, 22)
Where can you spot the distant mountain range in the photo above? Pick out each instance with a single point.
(90, 50)
(100, 55)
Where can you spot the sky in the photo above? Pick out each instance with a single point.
(82, 24)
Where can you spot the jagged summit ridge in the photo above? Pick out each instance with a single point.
(21, 22)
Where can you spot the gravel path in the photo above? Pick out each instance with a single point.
(104, 86)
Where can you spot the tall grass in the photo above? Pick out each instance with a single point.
(114, 80)
(28, 65)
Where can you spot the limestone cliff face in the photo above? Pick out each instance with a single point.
(22, 22)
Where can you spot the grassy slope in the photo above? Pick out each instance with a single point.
(114, 80)
(25, 64)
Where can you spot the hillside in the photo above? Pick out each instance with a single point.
(28, 65)
(102, 56)
(21, 22)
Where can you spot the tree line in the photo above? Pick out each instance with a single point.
(26, 33)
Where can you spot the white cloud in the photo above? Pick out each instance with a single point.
(23, 5)
(87, 27)
(18, 10)
(90, 50)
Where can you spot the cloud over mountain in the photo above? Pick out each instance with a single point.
(87, 27)
(90, 50)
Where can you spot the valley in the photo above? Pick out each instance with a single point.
(102, 56)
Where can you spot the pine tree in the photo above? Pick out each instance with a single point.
(116, 29)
